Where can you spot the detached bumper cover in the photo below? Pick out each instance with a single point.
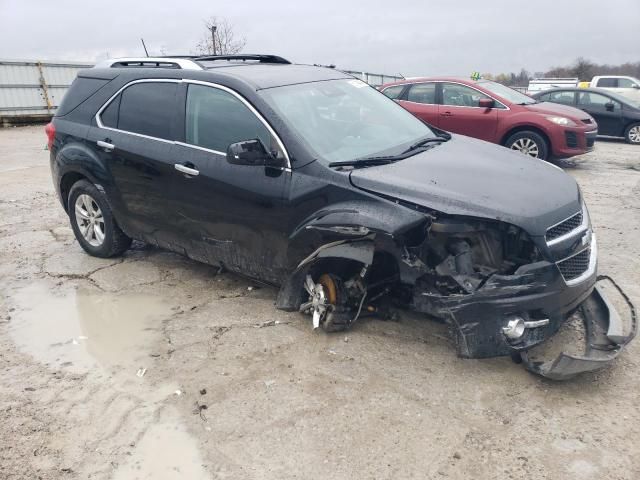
(605, 339)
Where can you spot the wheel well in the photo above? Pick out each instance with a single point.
(527, 128)
(68, 180)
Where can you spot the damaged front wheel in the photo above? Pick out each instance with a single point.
(327, 303)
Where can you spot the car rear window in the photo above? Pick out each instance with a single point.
(144, 108)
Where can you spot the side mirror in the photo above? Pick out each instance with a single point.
(609, 106)
(250, 152)
(635, 85)
(486, 103)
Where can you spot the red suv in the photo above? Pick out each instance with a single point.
(493, 112)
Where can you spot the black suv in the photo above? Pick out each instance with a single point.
(307, 178)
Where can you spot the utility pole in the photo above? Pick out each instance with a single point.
(213, 37)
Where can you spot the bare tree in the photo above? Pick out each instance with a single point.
(219, 39)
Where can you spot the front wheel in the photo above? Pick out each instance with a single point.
(530, 143)
(632, 134)
(93, 223)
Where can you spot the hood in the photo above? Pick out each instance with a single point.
(465, 176)
(548, 108)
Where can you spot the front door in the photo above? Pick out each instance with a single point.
(231, 214)
(606, 111)
(459, 112)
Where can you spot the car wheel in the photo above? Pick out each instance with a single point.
(529, 143)
(632, 134)
(93, 223)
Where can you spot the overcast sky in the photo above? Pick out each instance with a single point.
(419, 37)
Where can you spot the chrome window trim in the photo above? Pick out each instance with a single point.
(175, 142)
(505, 107)
(583, 227)
(593, 262)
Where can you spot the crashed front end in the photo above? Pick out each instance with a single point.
(504, 293)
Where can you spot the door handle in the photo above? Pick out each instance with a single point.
(108, 147)
(187, 170)
(446, 114)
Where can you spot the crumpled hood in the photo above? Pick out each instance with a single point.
(465, 176)
(548, 108)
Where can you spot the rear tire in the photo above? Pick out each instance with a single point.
(632, 134)
(529, 143)
(92, 222)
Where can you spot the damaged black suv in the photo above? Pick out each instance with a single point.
(307, 178)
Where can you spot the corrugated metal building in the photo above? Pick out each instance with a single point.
(31, 90)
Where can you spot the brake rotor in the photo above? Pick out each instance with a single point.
(323, 298)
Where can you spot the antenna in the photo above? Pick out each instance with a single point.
(145, 47)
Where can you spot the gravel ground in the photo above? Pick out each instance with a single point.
(153, 366)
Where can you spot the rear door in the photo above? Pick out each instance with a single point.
(135, 131)
(420, 100)
(606, 111)
(459, 112)
(231, 214)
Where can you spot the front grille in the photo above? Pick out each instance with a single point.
(572, 139)
(564, 227)
(575, 266)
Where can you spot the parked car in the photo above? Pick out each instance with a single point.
(617, 116)
(493, 112)
(541, 84)
(309, 179)
(626, 86)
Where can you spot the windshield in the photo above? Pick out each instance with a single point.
(507, 93)
(344, 120)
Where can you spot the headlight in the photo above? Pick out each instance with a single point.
(564, 121)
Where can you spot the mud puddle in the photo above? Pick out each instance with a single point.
(166, 451)
(79, 329)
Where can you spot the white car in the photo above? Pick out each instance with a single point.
(622, 85)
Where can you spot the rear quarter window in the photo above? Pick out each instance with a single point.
(79, 91)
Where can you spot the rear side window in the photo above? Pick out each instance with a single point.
(607, 82)
(393, 92)
(215, 119)
(566, 98)
(144, 108)
(422, 93)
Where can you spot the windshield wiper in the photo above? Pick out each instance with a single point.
(365, 162)
(423, 142)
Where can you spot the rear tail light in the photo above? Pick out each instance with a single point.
(50, 130)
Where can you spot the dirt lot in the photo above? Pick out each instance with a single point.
(236, 389)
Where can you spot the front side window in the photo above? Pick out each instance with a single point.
(342, 120)
(215, 119)
(626, 83)
(509, 94)
(394, 91)
(460, 95)
(595, 101)
(422, 93)
(145, 108)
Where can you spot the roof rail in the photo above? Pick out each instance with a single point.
(150, 62)
(243, 57)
